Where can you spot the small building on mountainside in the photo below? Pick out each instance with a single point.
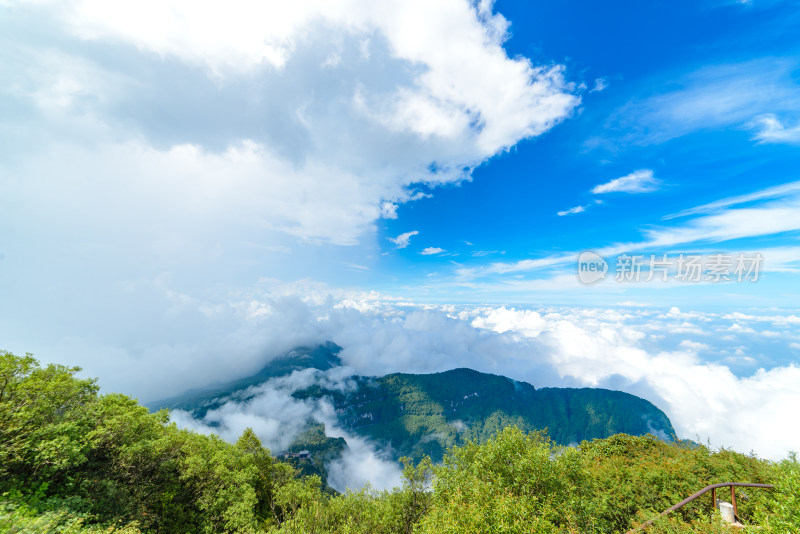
(302, 455)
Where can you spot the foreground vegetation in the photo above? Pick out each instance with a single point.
(74, 461)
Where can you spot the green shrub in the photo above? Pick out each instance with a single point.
(74, 461)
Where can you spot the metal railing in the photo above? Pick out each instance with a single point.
(713, 489)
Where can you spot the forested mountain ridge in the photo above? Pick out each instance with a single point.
(423, 415)
(419, 415)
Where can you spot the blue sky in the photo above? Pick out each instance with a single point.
(190, 188)
(688, 90)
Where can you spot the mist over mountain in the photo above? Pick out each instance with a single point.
(200, 400)
(305, 399)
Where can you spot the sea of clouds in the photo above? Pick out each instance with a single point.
(704, 370)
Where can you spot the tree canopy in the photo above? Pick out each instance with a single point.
(77, 461)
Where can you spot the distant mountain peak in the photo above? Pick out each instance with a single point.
(323, 357)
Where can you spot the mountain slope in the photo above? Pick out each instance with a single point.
(417, 415)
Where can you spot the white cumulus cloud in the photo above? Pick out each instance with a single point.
(403, 240)
(181, 147)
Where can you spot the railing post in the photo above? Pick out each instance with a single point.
(714, 498)
(713, 489)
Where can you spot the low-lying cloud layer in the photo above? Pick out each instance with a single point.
(700, 368)
(277, 417)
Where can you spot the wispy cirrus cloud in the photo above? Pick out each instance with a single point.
(481, 253)
(640, 181)
(716, 222)
(572, 211)
(501, 267)
(769, 219)
(714, 97)
(772, 130)
(777, 191)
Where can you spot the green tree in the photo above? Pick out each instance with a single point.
(515, 482)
